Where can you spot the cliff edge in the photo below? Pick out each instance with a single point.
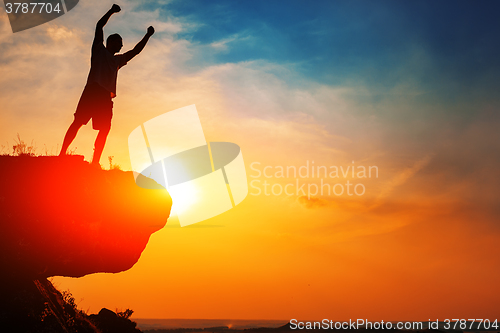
(61, 216)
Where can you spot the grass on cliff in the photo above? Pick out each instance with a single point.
(21, 148)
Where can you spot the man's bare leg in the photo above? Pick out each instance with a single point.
(100, 141)
(69, 137)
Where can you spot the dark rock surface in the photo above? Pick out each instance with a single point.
(108, 321)
(34, 306)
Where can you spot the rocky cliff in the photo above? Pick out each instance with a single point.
(61, 216)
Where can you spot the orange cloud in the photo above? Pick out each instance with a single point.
(312, 202)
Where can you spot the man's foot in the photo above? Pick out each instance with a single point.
(96, 165)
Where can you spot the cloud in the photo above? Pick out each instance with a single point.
(222, 45)
(58, 32)
(312, 202)
(403, 176)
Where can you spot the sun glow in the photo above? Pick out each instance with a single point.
(183, 197)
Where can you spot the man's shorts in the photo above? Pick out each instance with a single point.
(95, 103)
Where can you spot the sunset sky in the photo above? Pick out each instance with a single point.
(409, 87)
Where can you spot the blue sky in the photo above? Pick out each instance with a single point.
(338, 42)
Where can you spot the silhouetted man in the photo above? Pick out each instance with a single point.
(96, 100)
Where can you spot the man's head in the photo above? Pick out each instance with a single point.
(114, 43)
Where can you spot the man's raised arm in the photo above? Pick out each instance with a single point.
(99, 33)
(140, 46)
